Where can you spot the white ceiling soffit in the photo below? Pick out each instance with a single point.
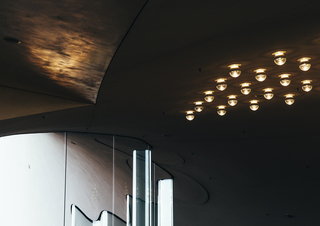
(16, 103)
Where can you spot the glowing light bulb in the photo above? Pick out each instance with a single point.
(209, 96)
(279, 58)
(190, 115)
(289, 98)
(306, 85)
(304, 63)
(254, 105)
(198, 107)
(261, 76)
(285, 79)
(221, 84)
(232, 100)
(235, 70)
(221, 110)
(268, 93)
(245, 88)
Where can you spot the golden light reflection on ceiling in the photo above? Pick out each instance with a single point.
(70, 44)
(70, 60)
(71, 64)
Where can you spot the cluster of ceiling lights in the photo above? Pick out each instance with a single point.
(279, 59)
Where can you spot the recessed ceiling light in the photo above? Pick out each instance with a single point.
(261, 76)
(221, 110)
(232, 100)
(190, 115)
(268, 93)
(234, 70)
(245, 88)
(304, 63)
(306, 85)
(289, 98)
(285, 79)
(254, 105)
(198, 107)
(221, 84)
(279, 57)
(209, 96)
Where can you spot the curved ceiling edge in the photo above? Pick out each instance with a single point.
(124, 37)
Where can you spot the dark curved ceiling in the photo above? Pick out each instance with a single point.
(257, 166)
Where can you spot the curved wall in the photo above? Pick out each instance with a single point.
(44, 174)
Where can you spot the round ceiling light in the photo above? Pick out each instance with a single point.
(279, 57)
(254, 105)
(199, 107)
(209, 96)
(306, 85)
(268, 93)
(289, 98)
(221, 84)
(304, 63)
(285, 79)
(221, 110)
(245, 88)
(261, 76)
(232, 100)
(190, 115)
(235, 70)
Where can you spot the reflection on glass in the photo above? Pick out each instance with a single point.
(105, 219)
(165, 202)
(141, 208)
(129, 210)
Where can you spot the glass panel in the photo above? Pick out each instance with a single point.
(141, 210)
(129, 210)
(157, 173)
(65, 178)
(99, 175)
(89, 176)
(123, 151)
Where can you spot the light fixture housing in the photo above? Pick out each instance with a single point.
(306, 85)
(245, 88)
(235, 70)
(199, 107)
(232, 100)
(304, 63)
(221, 84)
(254, 105)
(260, 74)
(209, 96)
(268, 94)
(189, 115)
(279, 58)
(285, 79)
(221, 110)
(289, 98)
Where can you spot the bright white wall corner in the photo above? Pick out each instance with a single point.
(32, 179)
